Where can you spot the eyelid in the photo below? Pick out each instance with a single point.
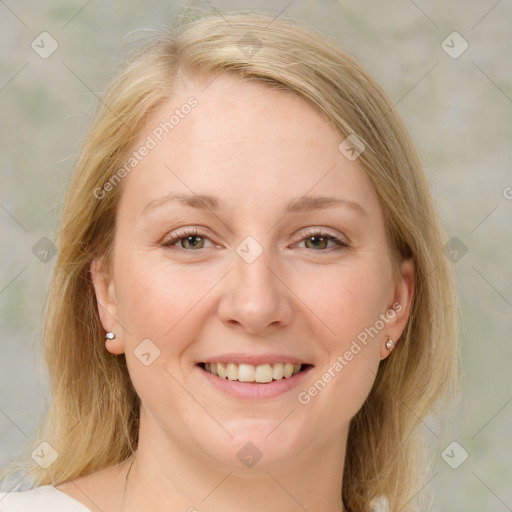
(180, 233)
(340, 240)
(324, 232)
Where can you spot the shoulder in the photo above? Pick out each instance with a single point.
(45, 498)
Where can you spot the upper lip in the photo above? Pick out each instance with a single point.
(255, 360)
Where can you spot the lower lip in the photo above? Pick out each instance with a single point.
(255, 390)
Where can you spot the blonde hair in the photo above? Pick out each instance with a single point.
(92, 421)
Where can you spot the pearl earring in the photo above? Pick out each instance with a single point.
(389, 343)
(110, 335)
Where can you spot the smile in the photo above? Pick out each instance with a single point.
(256, 378)
(261, 373)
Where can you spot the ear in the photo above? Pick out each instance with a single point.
(104, 289)
(401, 307)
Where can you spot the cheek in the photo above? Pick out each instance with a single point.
(352, 299)
(165, 304)
(155, 295)
(350, 304)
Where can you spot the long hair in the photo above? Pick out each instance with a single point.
(93, 417)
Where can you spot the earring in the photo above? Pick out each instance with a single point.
(389, 343)
(110, 335)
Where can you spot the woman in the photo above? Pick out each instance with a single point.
(251, 305)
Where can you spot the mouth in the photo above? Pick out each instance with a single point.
(254, 374)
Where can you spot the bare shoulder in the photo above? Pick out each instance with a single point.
(99, 491)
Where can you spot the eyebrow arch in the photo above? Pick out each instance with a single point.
(296, 205)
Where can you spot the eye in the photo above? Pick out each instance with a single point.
(189, 239)
(318, 240)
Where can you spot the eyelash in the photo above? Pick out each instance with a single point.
(305, 235)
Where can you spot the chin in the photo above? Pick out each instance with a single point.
(256, 443)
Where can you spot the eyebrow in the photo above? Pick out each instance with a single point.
(296, 205)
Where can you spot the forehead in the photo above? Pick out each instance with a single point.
(245, 142)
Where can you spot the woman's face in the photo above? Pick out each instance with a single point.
(251, 277)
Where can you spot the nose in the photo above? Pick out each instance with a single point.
(255, 296)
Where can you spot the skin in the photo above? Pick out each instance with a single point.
(255, 148)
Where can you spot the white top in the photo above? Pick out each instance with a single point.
(45, 498)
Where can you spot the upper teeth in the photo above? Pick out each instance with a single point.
(250, 373)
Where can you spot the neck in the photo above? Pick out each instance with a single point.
(161, 479)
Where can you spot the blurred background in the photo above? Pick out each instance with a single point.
(445, 66)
